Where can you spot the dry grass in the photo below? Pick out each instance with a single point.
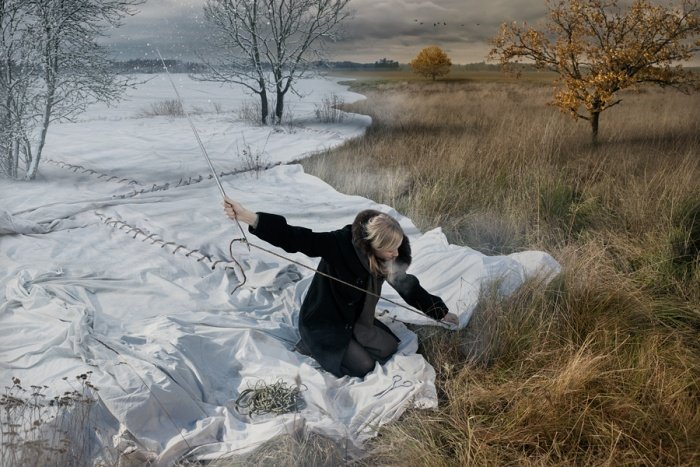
(292, 450)
(601, 367)
(369, 78)
(38, 430)
(168, 108)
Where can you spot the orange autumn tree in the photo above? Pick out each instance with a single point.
(431, 62)
(599, 47)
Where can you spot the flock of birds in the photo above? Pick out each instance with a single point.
(443, 23)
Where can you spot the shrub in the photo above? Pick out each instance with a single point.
(328, 111)
(37, 430)
(254, 159)
(167, 108)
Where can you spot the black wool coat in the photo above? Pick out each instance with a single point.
(330, 308)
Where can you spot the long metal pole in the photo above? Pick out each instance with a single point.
(199, 141)
(194, 130)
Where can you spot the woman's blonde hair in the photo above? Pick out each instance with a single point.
(384, 233)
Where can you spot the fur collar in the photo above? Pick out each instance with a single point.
(363, 246)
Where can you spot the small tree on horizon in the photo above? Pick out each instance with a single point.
(431, 62)
(598, 48)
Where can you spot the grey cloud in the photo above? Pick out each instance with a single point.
(462, 26)
(377, 28)
(175, 27)
(158, 9)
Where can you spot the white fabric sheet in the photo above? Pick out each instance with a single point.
(96, 278)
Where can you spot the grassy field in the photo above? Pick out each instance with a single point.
(370, 79)
(603, 366)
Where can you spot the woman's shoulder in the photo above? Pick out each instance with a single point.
(344, 234)
(343, 237)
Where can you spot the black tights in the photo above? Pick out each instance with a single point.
(359, 360)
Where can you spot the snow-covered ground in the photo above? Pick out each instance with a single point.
(115, 260)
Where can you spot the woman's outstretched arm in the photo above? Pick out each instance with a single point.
(274, 229)
(408, 286)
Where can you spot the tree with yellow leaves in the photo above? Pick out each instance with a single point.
(431, 62)
(598, 47)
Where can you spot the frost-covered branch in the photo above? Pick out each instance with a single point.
(236, 25)
(18, 84)
(52, 69)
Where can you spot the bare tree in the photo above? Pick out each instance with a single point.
(271, 42)
(18, 78)
(297, 29)
(236, 25)
(67, 69)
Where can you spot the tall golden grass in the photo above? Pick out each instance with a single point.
(601, 367)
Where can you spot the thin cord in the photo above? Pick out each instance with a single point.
(230, 250)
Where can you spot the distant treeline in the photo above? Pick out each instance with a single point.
(381, 64)
(178, 66)
(142, 65)
(385, 64)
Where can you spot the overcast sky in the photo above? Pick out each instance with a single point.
(377, 28)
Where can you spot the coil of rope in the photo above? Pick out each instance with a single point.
(277, 398)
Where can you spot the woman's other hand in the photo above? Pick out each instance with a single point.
(450, 318)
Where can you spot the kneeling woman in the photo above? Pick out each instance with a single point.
(336, 322)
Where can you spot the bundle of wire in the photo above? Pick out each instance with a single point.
(277, 398)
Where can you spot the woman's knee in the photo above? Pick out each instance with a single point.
(391, 348)
(386, 349)
(357, 361)
(359, 371)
